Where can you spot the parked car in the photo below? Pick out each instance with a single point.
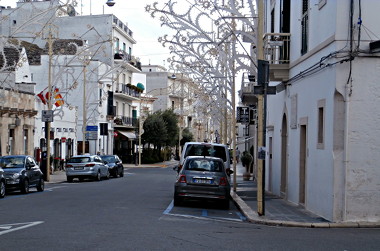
(205, 149)
(2, 183)
(86, 166)
(22, 172)
(203, 178)
(115, 165)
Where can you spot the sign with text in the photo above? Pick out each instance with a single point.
(242, 114)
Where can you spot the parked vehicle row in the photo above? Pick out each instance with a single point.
(93, 167)
(20, 172)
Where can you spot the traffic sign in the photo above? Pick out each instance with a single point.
(47, 116)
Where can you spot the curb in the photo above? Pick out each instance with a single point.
(253, 217)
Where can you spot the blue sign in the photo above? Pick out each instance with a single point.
(92, 128)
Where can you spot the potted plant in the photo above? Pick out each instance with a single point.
(246, 160)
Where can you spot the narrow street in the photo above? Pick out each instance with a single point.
(136, 213)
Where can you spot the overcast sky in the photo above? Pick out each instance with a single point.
(146, 30)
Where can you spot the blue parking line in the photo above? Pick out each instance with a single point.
(204, 213)
(242, 217)
(170, 207)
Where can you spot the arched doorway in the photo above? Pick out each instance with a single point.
(284, 156)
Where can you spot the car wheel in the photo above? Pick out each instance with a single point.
(108, 174)
(115, 174)
(69, 179)
(41, 185)
(122, 172)
(2, 189)
(98, 177)
(25, 186)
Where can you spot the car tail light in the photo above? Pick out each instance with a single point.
(68, 166)
(182, 179)
(89, 165)
(223, 181)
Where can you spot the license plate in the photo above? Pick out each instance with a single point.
(78, 168)
(202, 181)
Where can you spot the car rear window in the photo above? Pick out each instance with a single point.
(206, 150)
(79, 160)
(109, 159)
(202, 165)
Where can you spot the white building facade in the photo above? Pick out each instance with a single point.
(322, 126)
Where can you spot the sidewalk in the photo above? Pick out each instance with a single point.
(278, 212)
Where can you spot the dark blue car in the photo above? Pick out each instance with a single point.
(21, 172)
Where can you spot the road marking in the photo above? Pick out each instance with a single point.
(203, 216)
(52, 188)
(7, 228)
(204, 213)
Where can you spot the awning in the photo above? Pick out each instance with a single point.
(129, 135)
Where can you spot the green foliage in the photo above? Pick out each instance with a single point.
(187, 136)
(171, 122)
(155, 131)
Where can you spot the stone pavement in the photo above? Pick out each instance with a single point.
(278, 211)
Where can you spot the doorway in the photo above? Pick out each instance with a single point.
(284, 157)
(303, 155)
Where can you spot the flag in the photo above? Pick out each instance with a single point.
(41, 96)
(58, 99)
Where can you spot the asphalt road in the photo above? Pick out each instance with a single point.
(136, 213)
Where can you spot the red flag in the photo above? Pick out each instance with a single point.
(41, 96)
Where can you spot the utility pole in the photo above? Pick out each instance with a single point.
(50, 96)
(261, 118)
(84, 129)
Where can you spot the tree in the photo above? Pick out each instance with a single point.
(155, 131)
(171, 121)
(187, 136)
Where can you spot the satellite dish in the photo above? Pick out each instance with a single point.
(110, 3)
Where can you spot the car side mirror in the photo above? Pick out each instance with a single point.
(29, 165)
(229, 172)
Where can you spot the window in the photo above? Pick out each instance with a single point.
(25, 141)
(321, 124)
(124, 78)
(304, 26)
(117, 45)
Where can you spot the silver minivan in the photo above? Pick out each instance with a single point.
(206, 149)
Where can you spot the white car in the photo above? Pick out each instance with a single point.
(205, 149)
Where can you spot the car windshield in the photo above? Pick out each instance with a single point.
(79, 160)
(12, 162)
(204, 165)
(109, 159)
(206, 150)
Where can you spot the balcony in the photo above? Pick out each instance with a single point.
(124, 121)
(246, 94)
(128, 91)
(122, 26)
(276, 52)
